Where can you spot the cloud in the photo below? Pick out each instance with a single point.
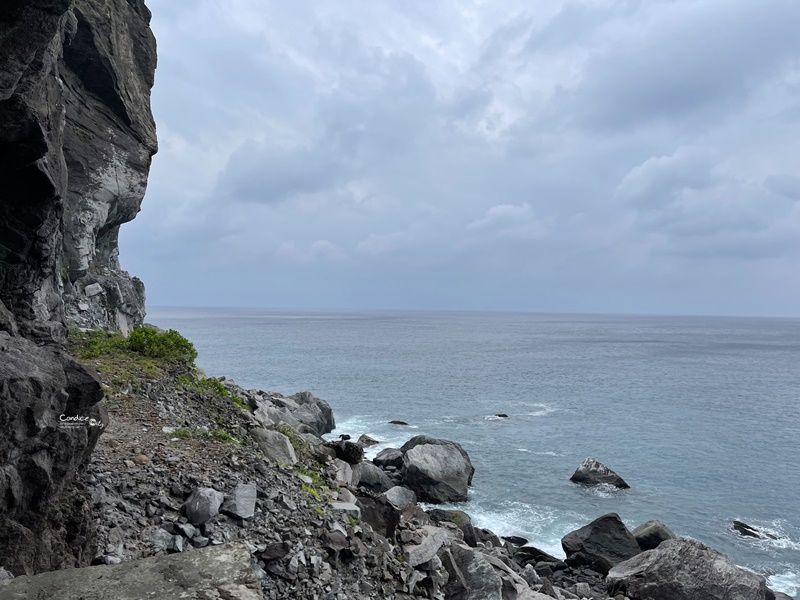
(321, 250)
(613, 145)
(510, 221)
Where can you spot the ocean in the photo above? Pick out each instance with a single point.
(700, 415)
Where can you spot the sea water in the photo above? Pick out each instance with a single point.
(700, 415)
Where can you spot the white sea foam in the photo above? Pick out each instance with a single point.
(494, 418)
(787, 582)
(542, 410)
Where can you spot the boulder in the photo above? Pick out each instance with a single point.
(203, 504)
(380, 514)
(593, 472)
(366, 441)
(650, 534)
(683, 569)
(242, 501)
(275, 446)
(436, 470)
(400, 497)
(374, 478)
(600, 545)
(314, 412)
(459, 518)
(530, 554)
(470, 575)
(347, 451)
(389, 457)
(216, 572)
(432, 540)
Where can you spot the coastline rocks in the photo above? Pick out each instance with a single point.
(400, 497)
(347, 451)
(275, 446)
(600, 545)
(650, 534)
(389, 457)
(314, 412)
(396, 422)
(460, 519)
(593, 472)
(470, 575)
(218, 572)
(202, 505)
(684, 569)
(436, 470)
(374, 478)
(366, 441)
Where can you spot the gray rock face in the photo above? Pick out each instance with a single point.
(389, 457)
(458, 517)
(432, 540)
(314, 412)
(374, 478)
(107, 68)
(218, 572)
(40, 451)
(601, 544)
(203, 504)
(437, 470)
(242, 501)
(593, 472)
(650, 534)
(471, 577)
(275, 446)
(684, 570)
(400, 497)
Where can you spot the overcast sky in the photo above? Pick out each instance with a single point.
(535, 155)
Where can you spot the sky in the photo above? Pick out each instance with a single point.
(605, 156)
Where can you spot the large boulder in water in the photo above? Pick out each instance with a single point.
(600, 545)
(650, 534)
(593, 472)
(685, 570)
(437, 470)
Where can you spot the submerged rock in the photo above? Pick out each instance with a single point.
(746, 530)
(683, 569)
(437, 470)
(396, 422)
(366, 441)
(600, 545)
(593, 472)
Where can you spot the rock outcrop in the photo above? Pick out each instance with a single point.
(592, 472)
(107, 69)
(685, 570)
(75, 80)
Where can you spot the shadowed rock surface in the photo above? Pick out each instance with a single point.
(220, 572)
(601, 544)
(63, 66)
(650, 534)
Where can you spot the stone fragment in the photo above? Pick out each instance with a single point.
(400, 497)
(600, 545)
(241, 503)
(436, 470)
(275, 446)
(650, 534)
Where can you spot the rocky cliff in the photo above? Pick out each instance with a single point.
(76, 139)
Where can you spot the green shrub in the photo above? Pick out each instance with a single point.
(169, 345)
